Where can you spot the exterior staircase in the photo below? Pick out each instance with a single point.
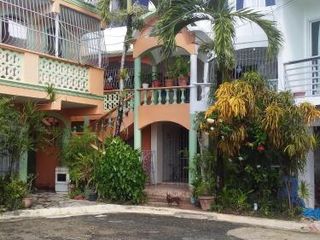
(105, 125)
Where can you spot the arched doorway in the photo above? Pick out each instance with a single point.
(165, 147)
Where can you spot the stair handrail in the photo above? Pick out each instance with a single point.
(107, 115)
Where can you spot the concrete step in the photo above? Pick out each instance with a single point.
(182, 205)
(164, 199)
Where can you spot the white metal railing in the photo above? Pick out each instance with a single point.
(68, 34)
(302, 77)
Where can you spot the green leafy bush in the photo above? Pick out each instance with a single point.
(203, 169)
(233, 199)
(120, 176)
(12, 192)
(81, 158)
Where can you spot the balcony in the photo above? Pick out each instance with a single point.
(41, 26)
(26, 74)
(302, 78)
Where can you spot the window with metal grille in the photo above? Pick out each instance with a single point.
(69, 34)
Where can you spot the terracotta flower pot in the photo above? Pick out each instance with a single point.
(183, 81)
(169, 82)
(156, 83)
(27, 202)
(206, 202)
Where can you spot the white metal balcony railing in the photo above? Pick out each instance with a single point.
(302, 77)
(69, 34)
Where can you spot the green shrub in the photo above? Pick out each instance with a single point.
(120, 176)
(81, 158)
(12, 192)
(234, 200)
(203, 171)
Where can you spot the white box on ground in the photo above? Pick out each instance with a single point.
(62, 179)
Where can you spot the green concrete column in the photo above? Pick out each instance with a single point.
(23, 167)
(137, 101)
(192, 145)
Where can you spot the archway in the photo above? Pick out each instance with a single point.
(165, 147)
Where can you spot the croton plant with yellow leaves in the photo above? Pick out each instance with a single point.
(241, 105)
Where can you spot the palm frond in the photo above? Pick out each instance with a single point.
(173, 17)
(223, 42)
(108, 14)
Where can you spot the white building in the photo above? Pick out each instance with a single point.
(297, 67)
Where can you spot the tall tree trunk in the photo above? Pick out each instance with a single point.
(126, 45)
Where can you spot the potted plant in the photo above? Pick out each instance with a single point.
(155, 80)
(27, 201)
(182, 67)
(171, 77)
(91, 193)
(205, 195)
(204, 178)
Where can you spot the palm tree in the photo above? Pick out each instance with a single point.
(174, 15)
(126, 12)
(177, 14)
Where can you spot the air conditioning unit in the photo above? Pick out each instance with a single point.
(62, 179)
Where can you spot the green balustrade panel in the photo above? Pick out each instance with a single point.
(10, 65)
(63, 75)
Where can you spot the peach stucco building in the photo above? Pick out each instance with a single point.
(56, 43)
(60, 43)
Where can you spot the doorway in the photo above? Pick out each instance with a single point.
(175, 153)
